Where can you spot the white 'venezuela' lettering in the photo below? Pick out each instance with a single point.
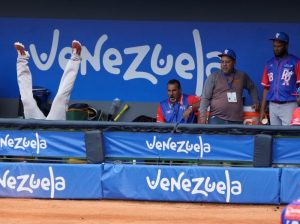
(30, 183)
(179, 146)
(197, 185)
(23, 143)
(184, 64)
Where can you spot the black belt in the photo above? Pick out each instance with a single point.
(281, 102)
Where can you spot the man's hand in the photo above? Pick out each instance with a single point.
(262, 115)
(187, 112)
(255, 106)
(202, 121)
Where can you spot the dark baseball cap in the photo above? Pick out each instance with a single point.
(228, 52)
(281, 36)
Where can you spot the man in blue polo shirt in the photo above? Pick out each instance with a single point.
(280, 79)
(179, 107)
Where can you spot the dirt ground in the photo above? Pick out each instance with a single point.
(45, 211)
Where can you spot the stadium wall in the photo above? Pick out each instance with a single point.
(34, 23)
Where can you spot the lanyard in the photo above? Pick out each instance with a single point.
(229, 83)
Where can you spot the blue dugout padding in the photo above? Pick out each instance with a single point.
(50, 181)
(286, 150)
(178, 146)
(290, 185)
(197, 184)
(147, 182)
(262, 155)
(40, 143)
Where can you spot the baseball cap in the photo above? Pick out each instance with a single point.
(281, 36)
(297, 93)
(228, 52)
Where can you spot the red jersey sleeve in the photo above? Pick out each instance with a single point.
(159, 116)
(296, 117)
(193, 99)
(265, 79)
(298, 72)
